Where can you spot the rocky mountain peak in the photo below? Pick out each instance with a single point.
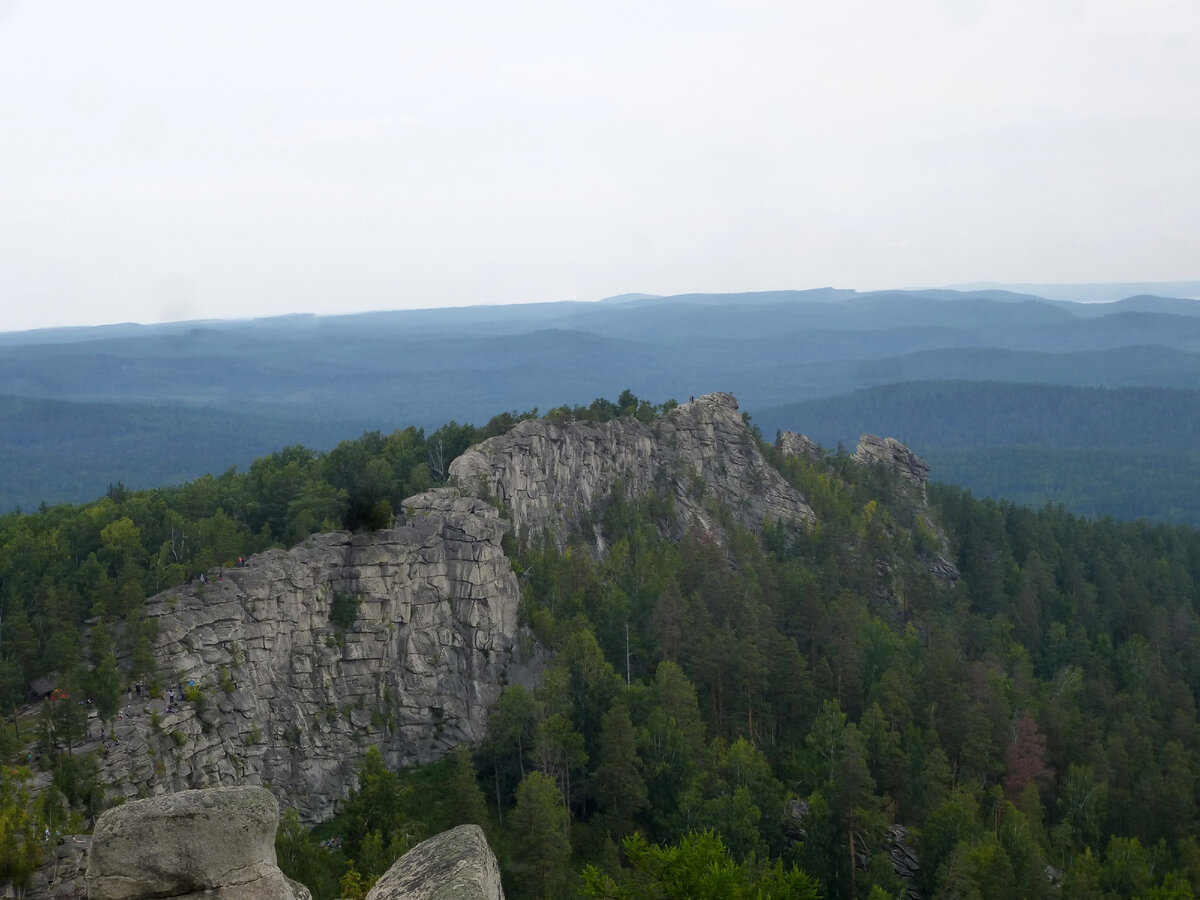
(551, 476)
(894, 455)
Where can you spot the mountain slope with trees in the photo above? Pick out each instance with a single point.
(1128, 452)
(213, 388)
(744, 715)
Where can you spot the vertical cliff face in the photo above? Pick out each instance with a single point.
(284, 696)
(551, 477)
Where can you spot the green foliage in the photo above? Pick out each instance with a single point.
(378, 812)
(1126, 452)
(19, 854)
(343, 611)
(1038, 710)
(698, 867)
(106, 688)
(464, 799)
(302, 859)
(194, 695)
(539, 850)
(618, 786)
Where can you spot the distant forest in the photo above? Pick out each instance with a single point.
(1126, 452)
(151, 405)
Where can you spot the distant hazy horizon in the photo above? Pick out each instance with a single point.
(1098, 292)
(166, 162)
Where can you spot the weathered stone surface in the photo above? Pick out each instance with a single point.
(60, 876)
(791, 444)
(551, 477)
(893, 454)
(286, 699)
(454, 865)
(217, 843)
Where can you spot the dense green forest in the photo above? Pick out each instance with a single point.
(1127, 452)
(760, 717)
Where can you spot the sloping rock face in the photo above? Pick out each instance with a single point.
(217, 844)
(791, 444)
(893, 454)
(551, 477)
(454, 865)
(287, 699)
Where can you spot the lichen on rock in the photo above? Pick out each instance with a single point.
(455, 865)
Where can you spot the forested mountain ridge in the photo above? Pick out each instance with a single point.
(811, 695)
(203, 396)
(1129, 452)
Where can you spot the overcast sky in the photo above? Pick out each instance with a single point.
(163, 161)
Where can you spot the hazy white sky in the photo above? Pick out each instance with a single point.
(161, 161)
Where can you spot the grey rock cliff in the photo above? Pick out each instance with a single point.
(551, 477)
(286, 699)
(455, 865)
(893, 454)
(791, 444)
(217, 844)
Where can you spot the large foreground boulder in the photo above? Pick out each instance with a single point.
(217, 843)
(455, 865)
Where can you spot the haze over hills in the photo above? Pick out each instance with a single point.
(1091, 293)
(1127, 451)
(164, 403)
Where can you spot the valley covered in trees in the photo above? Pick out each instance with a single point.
(781, 715)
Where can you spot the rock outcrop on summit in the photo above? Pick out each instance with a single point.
(791, 444)
(894, 455)
(551, 477)
(280, 694)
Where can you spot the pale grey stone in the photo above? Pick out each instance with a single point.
(217, 843)
(791, 444)
(893, 454)
(291, 703)
(552, 477)
(455, 865)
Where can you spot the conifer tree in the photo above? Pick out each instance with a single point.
(540, 853)
(467, 806)
(617, 784)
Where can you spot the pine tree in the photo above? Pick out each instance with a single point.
(617, 783)
(466, 803)
(540, 852)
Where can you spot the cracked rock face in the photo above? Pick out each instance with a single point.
(790, 443)
(287, 699)
(217, 843)
(551, 477)
(455, 865)
(893, 454)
